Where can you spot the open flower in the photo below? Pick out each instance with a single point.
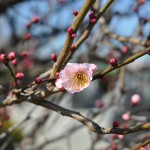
(76, 77)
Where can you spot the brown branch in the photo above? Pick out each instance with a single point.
(12, 73)
(127, 61)
(90, 26)
(134, 41)
(142, 145)
(40, 95)
(89, 123)
(75, 25)
(69, 113)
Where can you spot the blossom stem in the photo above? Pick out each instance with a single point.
(127, 61)
(141, 145)
(90, 26)
(89, 123)
(68, 42)
(12, 73)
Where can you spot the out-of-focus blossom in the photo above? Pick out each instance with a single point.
(135, 99)
(76, 77)
(120, 136)
(126, 116)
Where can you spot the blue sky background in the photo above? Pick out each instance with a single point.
(61, 16)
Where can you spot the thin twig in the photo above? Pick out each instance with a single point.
(89, 123)
(77, 22)
(12, 74)
(127, 61)
(142, 145)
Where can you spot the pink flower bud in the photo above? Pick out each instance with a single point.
(19, 75)
(93, 20)
(73, 48)
(1, 124)
(24, 54)
(104, 78)
(38, 80)
(135, 99)
(73, 35)
(27, 36)
(141, 2)
(113, 62)
(28, 26)
(11, 56)
(124, 49)
(70, 30)
(35, 19)
(116, 124)
(75, 12)
(27, 62)
(92, 15)
(57, 74)
(126, 116)
(53, 57)
(120, 136)
(3, 58)
(14, 62)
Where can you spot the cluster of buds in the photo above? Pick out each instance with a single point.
(92, 17)
(4, 58)
(71, 32)
(34, 20)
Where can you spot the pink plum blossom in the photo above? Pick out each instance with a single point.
(126, 116)
(76, 77)
(120, 136)
(135, 99)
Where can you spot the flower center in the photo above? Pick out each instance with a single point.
(81, 79)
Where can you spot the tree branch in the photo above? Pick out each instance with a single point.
(77, 22)
(141, 145)
(89, 123)
(127, 61)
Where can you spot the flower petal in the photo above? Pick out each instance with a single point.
(76, 77)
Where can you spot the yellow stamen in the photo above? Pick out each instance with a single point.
(79, 80)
